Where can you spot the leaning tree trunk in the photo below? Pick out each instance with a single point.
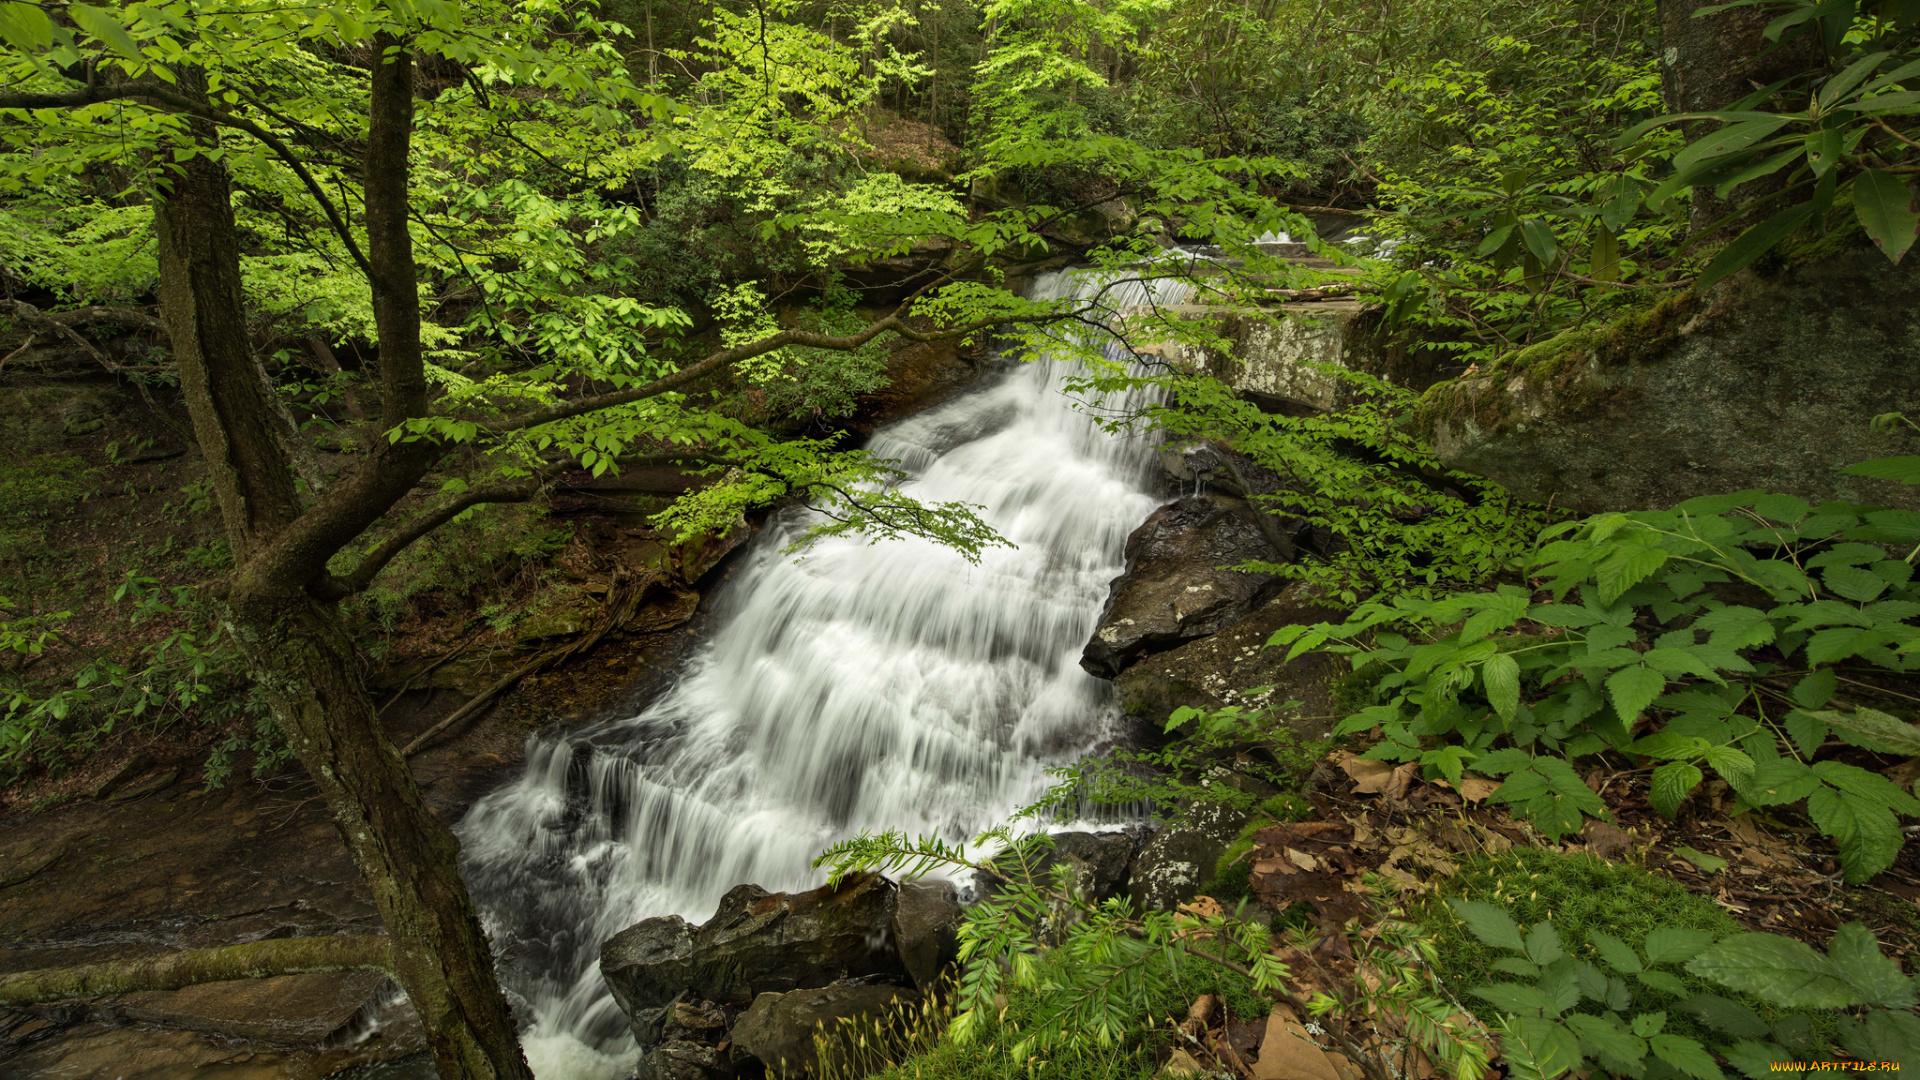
(1710, 63)
(296, 645)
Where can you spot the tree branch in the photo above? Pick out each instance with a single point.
(171, 971)
(154, 92)
(362, 575)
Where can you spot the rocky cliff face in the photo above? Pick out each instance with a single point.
(1768, 381)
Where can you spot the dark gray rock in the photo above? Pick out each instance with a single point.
(1099, 861)
(1769, 382)
(1180, 858)
(1234, 667)
(926, 929)
(679, 1060)
(757, 942)
(778, 1030)
(1177, 586)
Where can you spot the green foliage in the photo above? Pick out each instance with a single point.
(33, 491)
(464, 565)
(1569, 1012)
(1095, 972)
(1705, 638)
(1842, 132)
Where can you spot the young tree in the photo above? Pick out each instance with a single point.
(325, 113)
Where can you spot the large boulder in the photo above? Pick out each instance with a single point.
(778, 1030)
(1180, 858)
(1769, 381)
(1234, 667)
(757, 942)
(926, 929)
(1178, 584)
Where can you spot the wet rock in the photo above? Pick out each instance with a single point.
(702, 553)
(1099, 861)
(290, 1010)
(757, 942)
(1177, 586)
(1702, 396)
(680, 1060)
(926, 928)
(159, 781)
(1228, 667)
(1178, 861)
(778, 1029)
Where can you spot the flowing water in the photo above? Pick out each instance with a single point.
(856, 686)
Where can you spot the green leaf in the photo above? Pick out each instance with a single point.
(1884, 204)
(1543, 944)
(1854, 583)
(1816, 689)
(1855, 954)
(1867, 835)
(1609, 1041)
(1645, 1024)
(1753, 243)
(105, 28)
(1685, 1055)
(1490, 923)
(1707, 864)
(1517, 999)
(1888, 733)
(1663, 982)
(1625, 569)
(1618, 954)
(1501, 677)
(1903, 470)
(1674, 944)
(25, 27)
(1672, 783)
(1775, 969)
(1726, 1016)
(1539, 239)
(1728, 140)
(1781, 780)
(1538, 1049)
(1632, 690)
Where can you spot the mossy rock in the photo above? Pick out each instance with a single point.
(1769, 380)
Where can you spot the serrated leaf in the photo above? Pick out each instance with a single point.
(1726, 1016)
(1757, 1059)
(1626, 568)
(1663, 982)
(1543, 944)
(1490, 923)
(1855, 954)
(1618, 954)
(1868, 836)
(1653, 1023)
(1775, 969)
(1671, 785)
(1685, 1055)
(1514, 965)
(1674, 944)
(1888, 733)
(1816, 689)
(1632, 690)
(1537, 1049)
(1779, 781)
(1904, 470)
(1884, 204)
(1618, 1048)
(1854, 583)
(1501, 677)
(1517, 999)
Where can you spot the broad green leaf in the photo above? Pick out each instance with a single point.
(1775, 969)
(1726, 1016)
(1868, 835)
(1490, 923)
(105, 28)
(1608, 1040)
(25, 27)
(1663, 982)
(1685, 1055)
(1539, 239)
(1543, 944)
(1672, 783)
(1889, 733)
(1538, 1049)
(1632, 690)
(1674, 944)
(1854, 583)
(1653, 1023)
(1618, 954)
(1780, 780)
(1884, 204)
(1904, 469)
(1625, 569)
(1855, 73)
(1753, 243)
(1501, 677)
(1517, 999)
(1855, 954)
(1816, 689)
(1728, 140)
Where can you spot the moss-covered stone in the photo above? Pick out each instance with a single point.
(1767, 381)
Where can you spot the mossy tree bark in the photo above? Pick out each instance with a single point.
(295, 642)
(191, 967)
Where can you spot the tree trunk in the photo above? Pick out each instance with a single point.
(1710, 63)
(297, 646)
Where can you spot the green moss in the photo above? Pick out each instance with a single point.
(35, 490)
(1561, 365)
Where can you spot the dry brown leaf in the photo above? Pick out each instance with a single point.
(1181, 1064)
(1287, 1052)
(1204, 907)
(1302, 860)
(1607, 841)
(1475, 789)
(1376, 777)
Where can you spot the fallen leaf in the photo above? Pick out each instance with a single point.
(1607, 841)
(1376, 777)
(1287, 1052)
(1475, 789)
(1302, 860)
(1181, 1063)
(1204, 907)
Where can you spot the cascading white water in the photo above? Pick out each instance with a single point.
(856, 686)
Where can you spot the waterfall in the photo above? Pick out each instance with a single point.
(853, 686)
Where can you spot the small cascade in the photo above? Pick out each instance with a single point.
(855, 686)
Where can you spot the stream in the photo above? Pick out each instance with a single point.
(850, 687)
